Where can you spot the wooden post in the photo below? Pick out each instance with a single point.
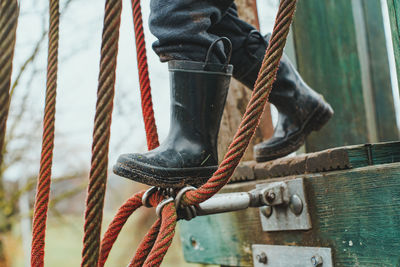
(239, 96)
(341, 53)
(377, 54)
(394, 13)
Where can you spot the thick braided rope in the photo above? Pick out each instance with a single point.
(242, 138)
(165, 236)
(146, 245)
(251, 118)
(9, 11)
(44, 180)
(115, 227)
(101, 134)
(144, 81)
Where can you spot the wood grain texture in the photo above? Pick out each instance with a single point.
(394, 14)
(339, 158)
(238, 97)
(377, 53)
(355, 212)
(327, 58)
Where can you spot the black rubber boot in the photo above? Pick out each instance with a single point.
(189, 154)
(301, 110)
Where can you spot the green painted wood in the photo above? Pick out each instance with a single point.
(394, 13)
(339, 158)
(331, 44)
(327, 58)
(373, 154)
(355, 212)
(380, 73)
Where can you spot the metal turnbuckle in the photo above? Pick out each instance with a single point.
(282, 205)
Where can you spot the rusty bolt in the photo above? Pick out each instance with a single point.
(266, 211)
(270, 196)
(262, 258)
(316, 261)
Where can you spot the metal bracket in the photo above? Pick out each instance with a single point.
(287, 206)
(291, 256)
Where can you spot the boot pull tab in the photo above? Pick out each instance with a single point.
(256, 34)
(228, 47)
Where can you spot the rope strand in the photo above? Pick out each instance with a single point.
(46, 162)
(144, 80)
(9, 11)
(101, 134)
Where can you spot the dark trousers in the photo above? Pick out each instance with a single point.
(186, 28)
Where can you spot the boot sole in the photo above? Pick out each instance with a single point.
(318, 118)
(164, 177)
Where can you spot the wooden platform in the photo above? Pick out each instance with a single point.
(340, 158)
(355, 212)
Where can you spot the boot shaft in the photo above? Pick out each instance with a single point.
(198, 96)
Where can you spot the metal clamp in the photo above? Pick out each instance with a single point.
(283, 205)
(146, 196)
(286, 208)
(187, 212)
(291, 256)
(162, 204)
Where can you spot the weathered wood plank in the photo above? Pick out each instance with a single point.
(340, 158)
(355, 212)
(327, 58)
(377, 53)
(394, 14)
(238, 97)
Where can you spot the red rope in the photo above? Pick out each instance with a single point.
(44, 180)
(145, 90)
(116, 225)
(158, 240)
(146, 245)
(8, 26)
(101, 134)
(255, 107)
(165, 236)
(241, 140)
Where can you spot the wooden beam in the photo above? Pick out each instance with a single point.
(394, 14)
(377, 53)
(238, 97)
(356, 213)
(339, 158)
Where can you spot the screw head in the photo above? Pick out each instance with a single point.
(296, 204)
(266, 211)
(316, 261)
(270, 197)
(262, 258)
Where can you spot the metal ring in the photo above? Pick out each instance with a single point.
(180, 194)
(147, 194)
(162, 204)
(227, 44)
